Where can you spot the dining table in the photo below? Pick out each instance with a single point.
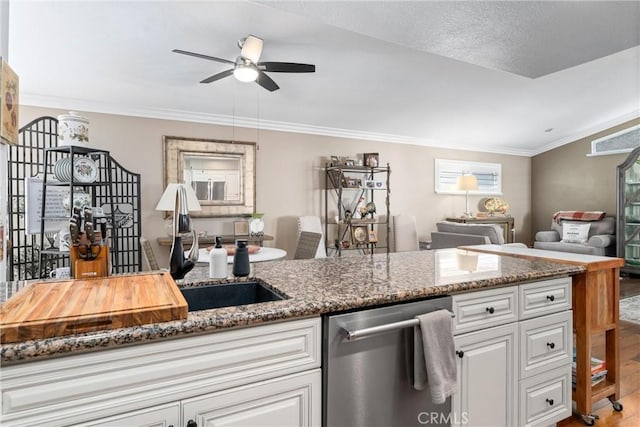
(262, 254)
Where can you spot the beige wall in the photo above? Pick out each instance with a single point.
(289, 173)
(566, 179)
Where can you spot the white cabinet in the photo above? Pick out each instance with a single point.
(293, 401)
(514, 348)
(487, 373)
(136, 382)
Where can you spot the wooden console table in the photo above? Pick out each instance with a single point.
(596, 306)
(506, 222)
(210, 240)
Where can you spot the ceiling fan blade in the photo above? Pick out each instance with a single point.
(218, 76)
(287, 67)
(266, 82)
(252, 48)
(199, 55)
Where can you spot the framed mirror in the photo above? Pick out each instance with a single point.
(222, 173)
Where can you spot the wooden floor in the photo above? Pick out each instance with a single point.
(630, 373)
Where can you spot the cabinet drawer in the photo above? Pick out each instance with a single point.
(546, 398)
(545, 343)
(484, 309)
(549, 296)
(157, 416)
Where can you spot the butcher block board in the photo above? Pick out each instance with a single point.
(56, 308)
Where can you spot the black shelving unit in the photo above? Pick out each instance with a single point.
(115, 188)
(347, 190)
(101, 186)
(628, 212)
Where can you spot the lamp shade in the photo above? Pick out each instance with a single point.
(467, 183)
(168, 200)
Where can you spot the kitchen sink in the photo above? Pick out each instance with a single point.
(205, 297)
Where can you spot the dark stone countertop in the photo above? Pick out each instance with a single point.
(313, 287)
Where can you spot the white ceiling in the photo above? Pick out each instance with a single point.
(485, 76)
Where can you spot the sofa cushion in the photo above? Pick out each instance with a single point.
(578, 248)
(607, 225)
(575, 232)
(547, 236)
(492, 231)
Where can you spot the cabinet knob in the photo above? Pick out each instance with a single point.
(460, 353)
(192, 423)
(490, 310)
(551, 298)
(550, 402)
(551, 345)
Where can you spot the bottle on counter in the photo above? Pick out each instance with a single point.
(218, 261)
(241, 266)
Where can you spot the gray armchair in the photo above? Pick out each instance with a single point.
(601, 239)
(454, 234)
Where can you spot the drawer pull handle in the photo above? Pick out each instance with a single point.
(551, 298)
(551, 346)
(490, 310)
(550, 402)
(460, 353)
(192, 423)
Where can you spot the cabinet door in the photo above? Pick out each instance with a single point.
(487, 381)
(294, 400)
(157, 416)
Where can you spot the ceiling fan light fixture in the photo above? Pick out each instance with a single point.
(245, 73)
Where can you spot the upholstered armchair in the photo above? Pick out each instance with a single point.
(563, 237)
(454, 234)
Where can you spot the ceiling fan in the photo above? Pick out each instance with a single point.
(246, 68)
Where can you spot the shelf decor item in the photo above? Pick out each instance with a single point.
(180, 199)
(371, 160)
(73, 129)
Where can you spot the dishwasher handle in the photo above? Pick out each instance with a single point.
(365, 332)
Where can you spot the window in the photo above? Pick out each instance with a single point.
(447, 172)
(619, 142)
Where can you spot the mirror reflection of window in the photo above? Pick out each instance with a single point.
(214, 177)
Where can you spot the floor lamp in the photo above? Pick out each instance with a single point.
(467, 183)
(180, 199)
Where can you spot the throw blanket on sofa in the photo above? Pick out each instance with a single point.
(578, 215)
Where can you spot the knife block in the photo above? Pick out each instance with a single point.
(83, 269)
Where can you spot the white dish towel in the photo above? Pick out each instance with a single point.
(434, 361)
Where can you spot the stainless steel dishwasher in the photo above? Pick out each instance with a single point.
(366, 362)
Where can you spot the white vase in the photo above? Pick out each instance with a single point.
(73, 129)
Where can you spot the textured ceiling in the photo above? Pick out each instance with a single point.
(446, 74)
(530, 39)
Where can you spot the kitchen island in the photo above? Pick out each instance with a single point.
(261, 363)
(313, 288)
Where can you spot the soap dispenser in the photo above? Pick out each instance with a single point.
(241, 266)
(218, 261)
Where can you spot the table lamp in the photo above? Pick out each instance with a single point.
(467, 183)
(180, 199)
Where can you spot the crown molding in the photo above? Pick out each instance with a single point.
(588, 132)
(251, 123)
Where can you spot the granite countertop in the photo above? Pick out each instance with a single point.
(315, 287)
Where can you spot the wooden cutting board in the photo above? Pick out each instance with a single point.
(49, 309)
